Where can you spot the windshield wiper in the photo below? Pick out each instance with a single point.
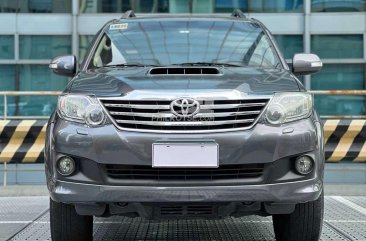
(208, 64)
(180, 64)
(130, 65)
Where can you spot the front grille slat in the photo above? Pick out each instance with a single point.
(230, 106)
(163, 107)
(168, 115)
(128, 172)
(184, 123)
(157, 116)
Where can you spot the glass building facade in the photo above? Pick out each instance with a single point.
(33, 31)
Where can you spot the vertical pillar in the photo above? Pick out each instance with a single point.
(364, 58)
(17, 66)
(364, 44)
(307, 37)
(75, 35)
(5, 174)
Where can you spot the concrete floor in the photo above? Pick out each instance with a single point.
(27, 218)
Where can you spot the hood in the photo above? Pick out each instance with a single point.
(121, 81)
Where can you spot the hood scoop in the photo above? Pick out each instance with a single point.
(184, 71)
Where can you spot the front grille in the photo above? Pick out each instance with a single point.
(134, 172)
(156, 115)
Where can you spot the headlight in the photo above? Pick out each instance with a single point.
(286, 107)
(82, 109)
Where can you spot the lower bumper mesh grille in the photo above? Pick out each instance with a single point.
(189, 210)
(129, 172)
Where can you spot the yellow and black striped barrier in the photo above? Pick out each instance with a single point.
(22, 141)
(345, 140)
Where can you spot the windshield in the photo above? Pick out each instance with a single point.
(164, 43)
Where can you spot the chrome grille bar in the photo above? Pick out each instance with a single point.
(167, 107)
(184, 123)
(230, 106)
(169, 115)
(148, 107)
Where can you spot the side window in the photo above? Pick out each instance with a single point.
(106, 53)
(263, 54)
(103, 53)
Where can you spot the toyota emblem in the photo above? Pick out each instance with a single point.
(185, 107)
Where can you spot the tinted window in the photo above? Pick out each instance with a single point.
(6, 47)
(7, 83)
(190, 6)
(33, 77)
(43, 46)
(337, 46)
(338, 6)
(84, 42)
(120, 6)
(35, 6)
(290, 44)
(339, 77)
(275, 6)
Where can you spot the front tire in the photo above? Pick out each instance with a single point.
(304, 224)
(66, 224)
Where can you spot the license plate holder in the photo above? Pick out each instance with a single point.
(203, 154)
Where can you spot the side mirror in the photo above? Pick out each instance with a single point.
(303, 64)
(64, 65)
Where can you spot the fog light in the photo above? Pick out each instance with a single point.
(66, 166)
(304, 165)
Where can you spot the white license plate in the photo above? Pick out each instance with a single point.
(186, 154)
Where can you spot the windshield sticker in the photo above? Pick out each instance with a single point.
(120, 26)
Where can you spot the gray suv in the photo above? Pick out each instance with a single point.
(185, 117)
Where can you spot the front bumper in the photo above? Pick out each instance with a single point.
(292, 192)
(261, 144)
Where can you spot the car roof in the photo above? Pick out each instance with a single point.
(236, 16)
(184, 17)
